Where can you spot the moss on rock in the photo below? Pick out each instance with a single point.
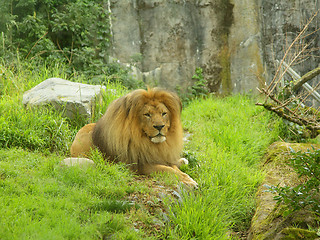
(298, 233)
(270, 220)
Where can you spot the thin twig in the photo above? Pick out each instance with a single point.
(288, 50)
(36, 44)
(63, 52)
(307, 95)
(286, 69)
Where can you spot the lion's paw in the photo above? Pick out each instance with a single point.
(189, 182)
(183, 161)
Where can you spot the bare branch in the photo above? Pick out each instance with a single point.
(289, 48)
(305, 78)
(286, 102)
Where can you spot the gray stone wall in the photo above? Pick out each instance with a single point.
(234, 41)
(245, 47)
(173, 38)
(280, 23)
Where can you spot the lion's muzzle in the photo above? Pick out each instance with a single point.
(158, 139)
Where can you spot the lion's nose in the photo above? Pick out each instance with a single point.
(158, 127)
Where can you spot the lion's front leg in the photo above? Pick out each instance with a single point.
(82, 144)
(183, 177)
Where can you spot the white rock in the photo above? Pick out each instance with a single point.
(81, 162)
(72, 98)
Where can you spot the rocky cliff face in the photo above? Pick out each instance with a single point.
(173, 38)
(280, 23)
(229, 39)
(245, 47)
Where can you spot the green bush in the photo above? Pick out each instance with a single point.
(305, 195)
(75, 33)
(57, 28)
(199, 89)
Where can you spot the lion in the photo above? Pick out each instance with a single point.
(141, 129)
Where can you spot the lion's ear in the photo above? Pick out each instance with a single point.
(177, 99)
(132, 101)
(172, 102)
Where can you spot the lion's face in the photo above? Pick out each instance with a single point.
(155, 121)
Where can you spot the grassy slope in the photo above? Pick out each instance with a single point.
(41, 200)
(229, 136)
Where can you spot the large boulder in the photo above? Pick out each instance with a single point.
(72, 98)
(270, 221)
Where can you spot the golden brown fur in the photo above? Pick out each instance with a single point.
(82, 143)
(142, 129)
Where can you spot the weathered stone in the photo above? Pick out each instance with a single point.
(234, 41)
(73, 99)
(269, 223)
(173, 37)
(244, 48)
(280, 23)
(81, 162)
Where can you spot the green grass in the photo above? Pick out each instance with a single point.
(229, 137)
(40, 129)
(40, 199)
(18, 77)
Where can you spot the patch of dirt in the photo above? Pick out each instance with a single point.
(150, 213)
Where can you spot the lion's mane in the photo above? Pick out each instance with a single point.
(119, 136)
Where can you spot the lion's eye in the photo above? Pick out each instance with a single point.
(164, 114)
(147, 115)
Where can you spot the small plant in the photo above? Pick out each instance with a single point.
(192, 158)
(198, 89)
(307, 166)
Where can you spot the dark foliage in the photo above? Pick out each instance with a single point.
(75, 32)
